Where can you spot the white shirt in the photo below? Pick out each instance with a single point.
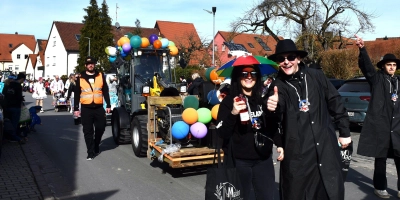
(56, 86)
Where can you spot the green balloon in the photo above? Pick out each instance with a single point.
(204, 115)
(191, 102)
(208, 72)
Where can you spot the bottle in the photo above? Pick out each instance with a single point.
(244, 114)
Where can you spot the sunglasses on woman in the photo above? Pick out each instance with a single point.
(291, 57)
(252, 73)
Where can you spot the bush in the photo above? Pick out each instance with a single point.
(340, 63)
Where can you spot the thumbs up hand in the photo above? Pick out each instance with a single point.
(359, 41)
(272, 102)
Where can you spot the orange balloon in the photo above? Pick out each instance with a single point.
(145, 42)
(213, 75)
(173, 50)
(124, 40)
(190, 116)
(214, 111)
(157, 44)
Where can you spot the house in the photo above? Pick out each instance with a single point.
(35, 63)
(15, 50)
(225, 43)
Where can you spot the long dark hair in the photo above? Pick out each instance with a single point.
(236, 86)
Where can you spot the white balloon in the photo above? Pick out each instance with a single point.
(112, 51)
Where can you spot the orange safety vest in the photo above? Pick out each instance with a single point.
(89, 94)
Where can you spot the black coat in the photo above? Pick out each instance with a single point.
(194, 86)
(382, 123)
(312, 158)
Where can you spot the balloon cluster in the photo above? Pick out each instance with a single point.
(194, 120)
(211, 75)
(125, 45)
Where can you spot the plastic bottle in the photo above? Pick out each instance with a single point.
(244, 114)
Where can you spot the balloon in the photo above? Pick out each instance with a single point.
(214, 111)
(213, 75)
(198, 130)
(123, 54)
(170, 43)
(145, 42)
(157, 44)
(112, 58)
(180, 130)
(126, 47)
(124, 40)
(207, 73)
(191, 102)
(173, 50)
(189, 115)
(136, 41)
(204, 115)
(112, 51)
(212, 97)
(152, 38)
(107, 51)
(164, 42)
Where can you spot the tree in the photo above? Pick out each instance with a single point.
(97, 27)
(308, 20)
(190, 47)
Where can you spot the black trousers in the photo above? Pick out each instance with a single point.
(380, 181)
(94, 125)
(257, 178)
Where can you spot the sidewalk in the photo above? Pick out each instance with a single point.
(26, 172)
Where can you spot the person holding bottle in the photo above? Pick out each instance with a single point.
(243, 107)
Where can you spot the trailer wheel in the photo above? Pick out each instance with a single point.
(120, 136)
(139, 135)
(55, 109)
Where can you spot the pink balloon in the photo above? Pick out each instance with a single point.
(198, 130)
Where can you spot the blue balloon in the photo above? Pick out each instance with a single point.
(212, 98)
(180, 130)
(123, 54)
(112, 58)
(164, 43)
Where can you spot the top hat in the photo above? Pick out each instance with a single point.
(388, 58)
(90, 60)
(287, 46)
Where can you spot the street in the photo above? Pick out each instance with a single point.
(118, 174)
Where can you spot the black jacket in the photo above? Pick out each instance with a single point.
(13, 95)
(77, 92)
(194, 86)
(382, 123)
(228, 125)
(309, 138)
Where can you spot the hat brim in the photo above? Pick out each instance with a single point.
(300, 53)
(382, 62)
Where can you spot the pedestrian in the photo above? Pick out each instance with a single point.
(14, 101)
(57, 88)
(193, 88)
(39, 93)
(379, 136)
(308, 101)
(255, 170)
(182, 79)
(47, 86)
(91, 88)
(70, 90)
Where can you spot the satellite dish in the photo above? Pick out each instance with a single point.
(117, 25)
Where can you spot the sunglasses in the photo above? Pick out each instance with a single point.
(252, 73)
(289, 58)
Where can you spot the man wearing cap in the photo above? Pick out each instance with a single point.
(91, 87)
(380, 134)
(307, 101)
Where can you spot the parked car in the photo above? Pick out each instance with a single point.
(336, 82)
(356, 94)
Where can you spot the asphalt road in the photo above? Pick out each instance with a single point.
(118, 174)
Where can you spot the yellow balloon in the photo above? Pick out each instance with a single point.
(173, 50)
(124, 40)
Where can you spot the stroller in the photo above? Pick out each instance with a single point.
(61, 102)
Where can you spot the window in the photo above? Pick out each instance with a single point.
(54, 43)
(223, 47)
(16, 67)
(18, 56)
(10, 45)
(261, 42)
(250, 45)
(54, 60)
(10, 67)
(215, 48)
(26, 56)
(77, 37)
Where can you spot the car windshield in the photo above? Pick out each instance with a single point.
(355, 86)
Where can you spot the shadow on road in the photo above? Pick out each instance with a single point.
(99, 195)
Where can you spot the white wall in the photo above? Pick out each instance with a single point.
(20, 62)
(55, 56)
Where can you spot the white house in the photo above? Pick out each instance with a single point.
(35, 62)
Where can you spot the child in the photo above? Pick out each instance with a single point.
(35, 119)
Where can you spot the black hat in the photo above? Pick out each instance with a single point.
(388, 58)
(90, 60)
(21, 75)
(287, 46)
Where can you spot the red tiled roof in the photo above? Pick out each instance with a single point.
(246, 38)
(177, 31)
(67, 32)
(33, 59)
(15, 40)
(123, 30)
(42, 47)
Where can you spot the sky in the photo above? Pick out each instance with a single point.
(36, 17)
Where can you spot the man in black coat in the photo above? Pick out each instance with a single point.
(380, 135)
(307, 100)
(194, 85)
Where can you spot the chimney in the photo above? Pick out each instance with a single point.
(16, 33)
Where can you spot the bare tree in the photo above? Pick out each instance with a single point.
(306, 20)
(190, 47)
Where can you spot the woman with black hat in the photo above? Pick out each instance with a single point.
(380, 135)
(307, 101)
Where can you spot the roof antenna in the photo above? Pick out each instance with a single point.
(117, 26)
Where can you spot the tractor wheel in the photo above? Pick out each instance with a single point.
(139, 135)
(120, 136)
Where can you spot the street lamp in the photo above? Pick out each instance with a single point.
(214, 9)
(89, 44)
